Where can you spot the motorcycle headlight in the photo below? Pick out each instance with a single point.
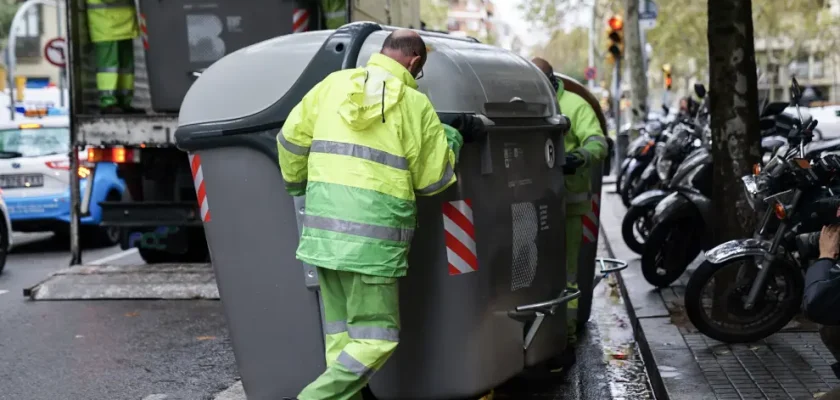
(663, 168)
(751, 191)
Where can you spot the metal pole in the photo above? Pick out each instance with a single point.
(75, 191)
(10, 81)
(622, 140)
(61, 71)
(591, 83)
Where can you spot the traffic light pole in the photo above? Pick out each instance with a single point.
(622, 140)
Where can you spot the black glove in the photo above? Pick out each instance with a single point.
(573, 161)
(470, 126)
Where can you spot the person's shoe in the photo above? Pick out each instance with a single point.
(111, 110)
(564, 361)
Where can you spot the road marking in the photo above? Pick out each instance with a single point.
(112, 257)
(4, 291)
(155, 397)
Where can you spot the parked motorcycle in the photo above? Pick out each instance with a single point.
(639, 155)
(674, 167)
(757, 283)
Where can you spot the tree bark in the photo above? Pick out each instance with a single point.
(634, 51)
(733, 103)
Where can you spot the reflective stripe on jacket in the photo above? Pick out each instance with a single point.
(335, 13)
(111, 20)
(360, 145)
(587, 141)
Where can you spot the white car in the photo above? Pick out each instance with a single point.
(5, 233)
(35, 179)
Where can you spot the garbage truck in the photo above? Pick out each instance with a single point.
(162, 210)
(485, 295)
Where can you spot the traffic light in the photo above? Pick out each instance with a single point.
(615, 38)
(666, 71)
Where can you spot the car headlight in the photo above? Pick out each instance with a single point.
(663, 167)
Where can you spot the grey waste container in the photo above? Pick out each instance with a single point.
(461, 332)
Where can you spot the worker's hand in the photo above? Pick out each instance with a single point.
(470, 126)
(830, 241)
(573, 162)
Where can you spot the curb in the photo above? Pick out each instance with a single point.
(660, 391)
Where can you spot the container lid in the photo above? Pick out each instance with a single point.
(258, 85)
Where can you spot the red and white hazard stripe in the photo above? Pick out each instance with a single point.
(459, 231)
(144, 32)
(200, 190)
(300, 20)
(590, 220)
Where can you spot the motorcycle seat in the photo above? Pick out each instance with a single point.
(823, 145)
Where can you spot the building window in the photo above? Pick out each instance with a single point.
(28, 35)
(818, 67)
(799, 67)
(453, 25)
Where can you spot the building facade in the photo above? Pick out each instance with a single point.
(472, 18)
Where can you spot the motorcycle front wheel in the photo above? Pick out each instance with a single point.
(715, 294)
(671, 246)
(635, 227)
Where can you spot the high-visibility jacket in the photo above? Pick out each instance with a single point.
(111, 20)
(335, 13)
(585, 140)
(360, 145)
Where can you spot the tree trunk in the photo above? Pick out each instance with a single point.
(635, 52)
(733, 103)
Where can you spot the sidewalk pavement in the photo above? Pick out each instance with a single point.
(684, 364)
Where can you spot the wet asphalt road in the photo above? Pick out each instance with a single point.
(105, 350)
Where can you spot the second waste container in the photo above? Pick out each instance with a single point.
(483, 248)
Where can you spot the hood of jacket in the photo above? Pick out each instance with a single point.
(374, 90)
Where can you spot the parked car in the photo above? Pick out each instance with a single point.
(5, 232)
(34, 177)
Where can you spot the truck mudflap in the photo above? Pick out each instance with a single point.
(150, 214)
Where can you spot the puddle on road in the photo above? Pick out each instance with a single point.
(627, 376)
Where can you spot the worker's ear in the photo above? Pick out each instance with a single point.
(415, 65)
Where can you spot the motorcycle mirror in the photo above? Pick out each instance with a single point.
(767, 124)
(795, 91)
(666, 109)
(700, 90)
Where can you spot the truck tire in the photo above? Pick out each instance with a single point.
(197, 251)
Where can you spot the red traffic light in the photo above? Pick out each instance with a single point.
(616, 23)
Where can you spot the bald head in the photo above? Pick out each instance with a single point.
(543, 65)
(407, 48)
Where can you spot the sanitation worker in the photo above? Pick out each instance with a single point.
(585, 145)
(361, 145)
(335, 13)
(113, 27)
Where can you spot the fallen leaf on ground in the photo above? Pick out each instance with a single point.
(132, 314)
(205, 337)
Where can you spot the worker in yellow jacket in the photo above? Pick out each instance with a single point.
(335, 13)
(361, 145)
(585, 145)
(113, 27)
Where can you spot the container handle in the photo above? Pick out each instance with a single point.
(617, 265)
(538, 312)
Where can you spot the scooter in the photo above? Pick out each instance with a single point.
(670, 170)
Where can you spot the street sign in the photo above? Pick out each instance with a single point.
(55, 52)
(647, 14)
(590, 73)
